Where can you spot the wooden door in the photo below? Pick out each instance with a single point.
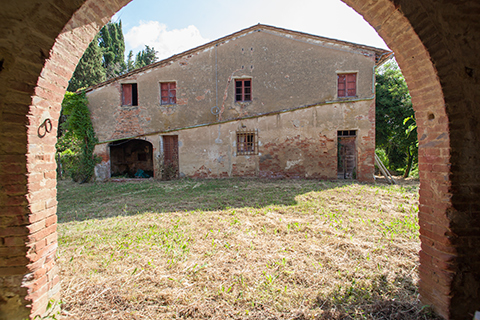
(170, 157)
(347, 158)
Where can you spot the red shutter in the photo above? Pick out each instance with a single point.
(342, 85)
(126, 94)
(347, 85)
(173, 93)
(164, 93)
(351, 84)
(168, 93)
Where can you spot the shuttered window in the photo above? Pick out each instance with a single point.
(243, 90)
(168, 92)
(129, 94)
(347, 85)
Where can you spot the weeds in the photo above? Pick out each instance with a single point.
(307, 249)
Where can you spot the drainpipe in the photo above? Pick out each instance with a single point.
(216, 77)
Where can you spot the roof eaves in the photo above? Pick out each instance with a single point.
(379, 52)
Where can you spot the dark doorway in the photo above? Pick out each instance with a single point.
(347, 156)
(131, 159)
(170, 157)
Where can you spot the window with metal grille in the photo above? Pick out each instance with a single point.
(347, 84)
(168, 93)
(129, 94)
(243, 90)
(247, 143)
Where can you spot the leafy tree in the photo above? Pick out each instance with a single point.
(75, 147)
(394, 132)
(89, 70)
(112, 43)
(145, 57)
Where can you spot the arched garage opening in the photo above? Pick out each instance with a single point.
(435, 45)
(131, 158)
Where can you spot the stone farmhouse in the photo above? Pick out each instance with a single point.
(435, 43)
(262, 102)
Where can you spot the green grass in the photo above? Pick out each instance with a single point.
(239, 249)
(87, 201)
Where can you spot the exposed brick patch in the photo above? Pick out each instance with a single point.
(202, 172)
(289, 158)
(128, 123)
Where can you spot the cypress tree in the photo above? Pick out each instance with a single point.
(113, 49)
(130, 62)
(145, 57)
(89, 70)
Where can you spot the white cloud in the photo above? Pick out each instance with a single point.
(166, 42)
(328, 18)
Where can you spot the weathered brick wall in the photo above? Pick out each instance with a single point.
(37, 59)
(438, 57)
(447, 34)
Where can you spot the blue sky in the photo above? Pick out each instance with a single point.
(175, 26)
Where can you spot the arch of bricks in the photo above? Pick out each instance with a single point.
(435, 43)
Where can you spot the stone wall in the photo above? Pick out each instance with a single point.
(295, 144)
(205, 78)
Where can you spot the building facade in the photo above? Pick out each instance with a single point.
(262, 102)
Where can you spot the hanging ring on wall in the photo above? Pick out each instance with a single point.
(215, 110)
(45, 127)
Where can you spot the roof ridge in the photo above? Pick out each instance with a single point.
(234, 35)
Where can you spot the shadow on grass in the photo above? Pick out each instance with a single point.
(78, 202)
(383, 299)
(380, 301)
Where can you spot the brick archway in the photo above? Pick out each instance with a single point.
(435, 44)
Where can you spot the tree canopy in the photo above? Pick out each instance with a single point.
(105, 58)
(145, 57)
(113, 48)
(395, 129)
(89, 70)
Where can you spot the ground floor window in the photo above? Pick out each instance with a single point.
(247, 142)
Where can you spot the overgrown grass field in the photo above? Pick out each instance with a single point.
(238, 249)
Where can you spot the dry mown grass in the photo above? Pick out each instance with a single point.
(239, 249)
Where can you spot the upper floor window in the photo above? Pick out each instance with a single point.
(168, 93)
(347, 84)
(129, 94)
(243, 90)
